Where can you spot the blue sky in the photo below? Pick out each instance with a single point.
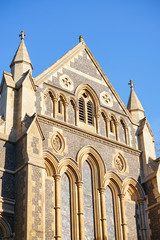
(123, 36)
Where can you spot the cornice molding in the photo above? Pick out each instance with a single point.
(82, 132)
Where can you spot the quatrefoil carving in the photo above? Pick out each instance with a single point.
(66, 82)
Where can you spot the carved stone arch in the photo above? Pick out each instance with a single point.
(130, 182)
(94, 159)
(49, 102)
(124, 126)
(103, 123)
(114, 182)
(6, 229)
(120, 118)
(72, 110)
(71, 165)
(111, 115)
(72, 99)
(51, 163)
(92, 93)
(137, 196)
(102, 111)
(60, 94)
(51, 91)
(113, 125)
(112, 177)
(70, 168)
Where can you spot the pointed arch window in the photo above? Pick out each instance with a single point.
(110, 214)
(60, 105)
(112, 125)
(49, 104)
(88, 201)
(66, 207)
(86, 108)
(124, 130)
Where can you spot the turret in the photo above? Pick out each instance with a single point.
(144, 133)
(21, 62)
(134, 106)
(17, 93)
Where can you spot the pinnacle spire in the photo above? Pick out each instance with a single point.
(21, 62)
(134, 106)
(81, 38)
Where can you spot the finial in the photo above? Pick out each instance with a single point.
(131, 83)
(22, 35)
(80, 38)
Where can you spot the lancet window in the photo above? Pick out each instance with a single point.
(124, 130)
(112, 125)
(66, 207)
(60, 105)
(88, 201)
(86, 108)
(110, 214)
(49, 104)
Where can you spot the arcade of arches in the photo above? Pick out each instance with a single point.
(91, 202)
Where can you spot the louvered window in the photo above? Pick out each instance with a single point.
(81, 110)
(90, 113)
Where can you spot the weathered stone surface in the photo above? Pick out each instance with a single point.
(43, 137)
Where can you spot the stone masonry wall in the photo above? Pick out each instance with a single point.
(49, 208)
(20, 207)
(74, 143)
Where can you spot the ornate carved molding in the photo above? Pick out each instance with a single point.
(90, 135)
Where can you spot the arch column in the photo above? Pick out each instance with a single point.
(65, 111)
(143, 229)
(127, 136)
(80, 210)
(76, 115)
(116, 129)
(55, 100)
(97, 122)
(107, 126)
(122, 215)
(58, 224)
(103, 213)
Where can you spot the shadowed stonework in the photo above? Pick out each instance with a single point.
(75, 162)
(133, 221)
(36, 214)
(49, 208)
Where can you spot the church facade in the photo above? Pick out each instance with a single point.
(75, 162)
